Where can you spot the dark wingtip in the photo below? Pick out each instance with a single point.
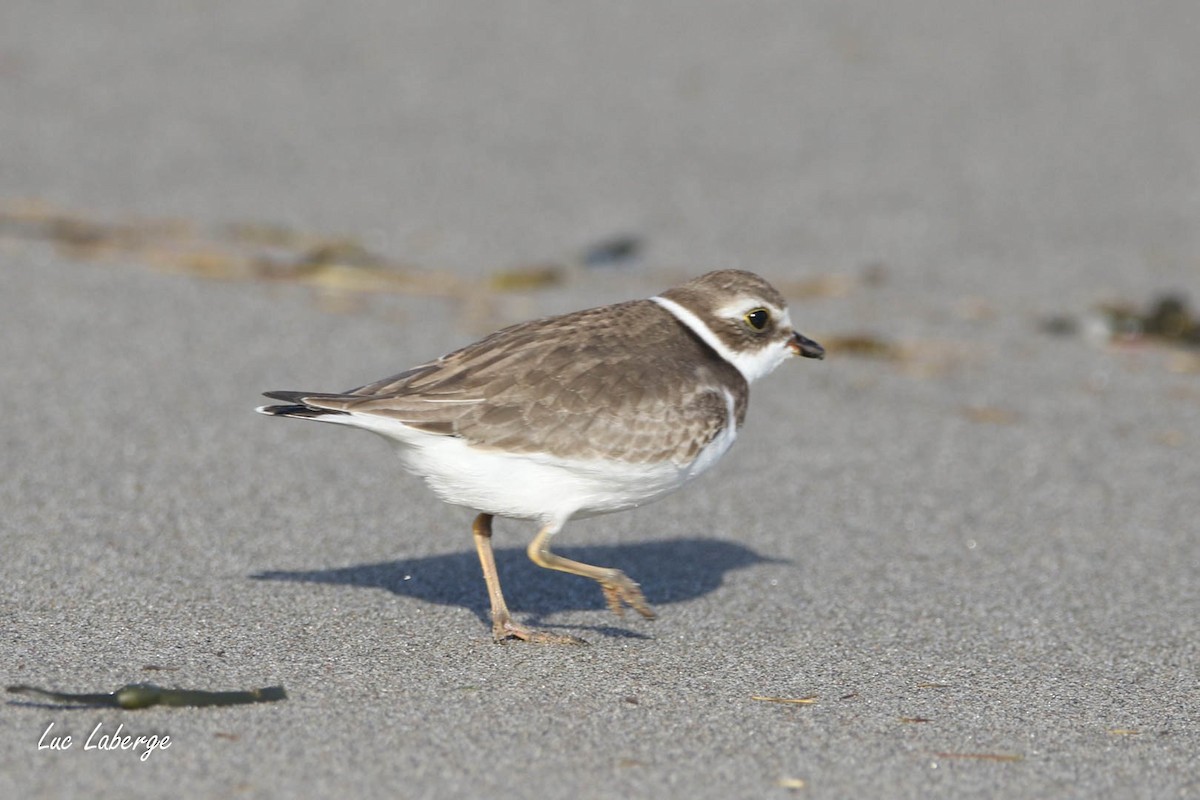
(290, 397)
(295, 406)
(307, 412)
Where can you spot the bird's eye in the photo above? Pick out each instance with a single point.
(758, 318)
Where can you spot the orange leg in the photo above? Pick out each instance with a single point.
(503, 626)
(618, 589)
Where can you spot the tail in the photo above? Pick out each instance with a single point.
(301, 404)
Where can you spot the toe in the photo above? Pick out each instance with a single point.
(621, 591)
(506, 630)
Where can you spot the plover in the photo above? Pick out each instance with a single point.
(577, 415)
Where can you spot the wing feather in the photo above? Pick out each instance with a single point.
(625, 382)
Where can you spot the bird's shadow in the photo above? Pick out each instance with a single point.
(671, 571)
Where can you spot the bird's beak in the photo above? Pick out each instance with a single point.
(803, 346)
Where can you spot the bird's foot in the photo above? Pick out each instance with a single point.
(504, 629)
(621, 591)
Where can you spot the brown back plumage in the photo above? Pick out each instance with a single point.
(625, 382)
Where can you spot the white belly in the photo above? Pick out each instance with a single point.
(537, 486)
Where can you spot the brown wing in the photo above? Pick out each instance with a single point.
(625, 382)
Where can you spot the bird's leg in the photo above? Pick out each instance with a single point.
(619, 590)
(503, 627)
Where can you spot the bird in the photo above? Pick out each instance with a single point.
(577, 415)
